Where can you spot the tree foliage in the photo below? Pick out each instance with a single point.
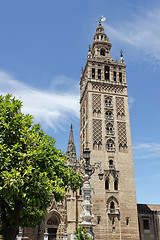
(32, 170)
(80, 233)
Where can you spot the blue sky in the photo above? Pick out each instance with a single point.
(43, 46)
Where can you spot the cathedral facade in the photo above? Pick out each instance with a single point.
(105, 132)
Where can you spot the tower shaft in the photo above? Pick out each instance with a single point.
(105, 130)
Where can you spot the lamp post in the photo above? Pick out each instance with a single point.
(86, 167)
(46, 234)
(89, 169)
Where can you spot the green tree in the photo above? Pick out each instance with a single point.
(32, 170)
(80, 233)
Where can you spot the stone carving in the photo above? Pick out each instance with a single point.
(120, 108)
(122, 136)
(97, 134)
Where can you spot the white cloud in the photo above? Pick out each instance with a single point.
(131, 100)
(52, 108)
(146, 150)
(65, 84)
(142, 33)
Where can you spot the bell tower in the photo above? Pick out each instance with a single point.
(105, 130)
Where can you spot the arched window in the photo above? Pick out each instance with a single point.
(127, 221)
(110, 162)
(95, 145)
(106, 72)
(125, 148)
(116, 184)
(108, 102)
(99, 145)
(112, 206)
(111, 165)
(53, 220)
(122, 116)
(114, 76)
(109, 128)
(102, 52)
(99, 73)
(93, 72)
(110, 145)
(109, 115)
(120, 76)
(107, 184)
(118, 116)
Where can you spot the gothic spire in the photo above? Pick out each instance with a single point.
(71, 150)
(71, 136)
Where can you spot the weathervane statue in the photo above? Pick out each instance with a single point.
(102, 19)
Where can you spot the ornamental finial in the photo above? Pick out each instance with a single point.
(102, 19)
(121, 53)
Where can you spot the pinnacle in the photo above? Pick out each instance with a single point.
(71, 149)
(71, 140)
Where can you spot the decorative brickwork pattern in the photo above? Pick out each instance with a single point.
(120, 107)
(108, 88)
(96, 103)
(122, 136)
(97, 132)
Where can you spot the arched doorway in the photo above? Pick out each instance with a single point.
(52, 226)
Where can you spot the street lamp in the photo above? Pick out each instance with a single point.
(86, 154)
(100, 175)
(89, 169)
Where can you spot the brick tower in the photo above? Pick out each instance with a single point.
(105, 130)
